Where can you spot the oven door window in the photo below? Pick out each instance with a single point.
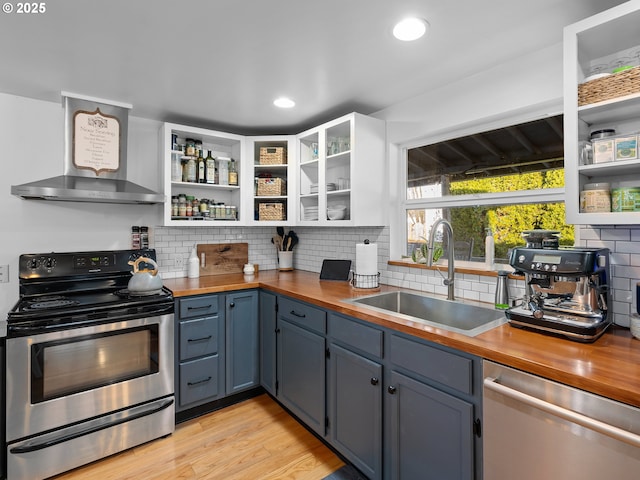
(65, 367)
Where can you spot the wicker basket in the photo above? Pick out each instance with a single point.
(271, 211)
(270, 187)
(273, 156)
(617, 85)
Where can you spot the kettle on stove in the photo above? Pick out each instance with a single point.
(144, 281)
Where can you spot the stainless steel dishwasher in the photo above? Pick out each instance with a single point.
(535, 429)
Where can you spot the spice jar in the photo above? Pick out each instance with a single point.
(174, 206)
(182, 205)
(191, 147)
(189, 205)
(204, 207)
(595, 197)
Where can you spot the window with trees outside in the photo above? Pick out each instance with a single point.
(506, 181)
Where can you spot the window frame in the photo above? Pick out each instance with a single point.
(399, 229)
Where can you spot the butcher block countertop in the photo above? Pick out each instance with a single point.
(608, 367)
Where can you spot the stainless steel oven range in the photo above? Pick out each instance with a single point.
(89, 366)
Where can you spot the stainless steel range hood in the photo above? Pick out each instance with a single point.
(68, 188)
(95, 159)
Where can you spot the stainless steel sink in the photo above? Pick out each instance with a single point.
(449, 315)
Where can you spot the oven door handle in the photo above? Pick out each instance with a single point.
(32, 447)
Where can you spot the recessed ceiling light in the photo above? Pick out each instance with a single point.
(410, 29)
(284, 102)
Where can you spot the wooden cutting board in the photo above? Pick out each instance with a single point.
(221, 258)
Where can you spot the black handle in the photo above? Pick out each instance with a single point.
(296, 314)
(202, 307)
(199, 339)
(374, 381)
(391, 389)
(191, 384)
(231, 305)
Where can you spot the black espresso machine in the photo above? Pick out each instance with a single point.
(567, 291)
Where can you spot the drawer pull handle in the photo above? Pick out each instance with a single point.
(199, 339)
(192, 384)
(374, 381)
(391, 389)
(201, 307)
(296, 314)
(231, 305)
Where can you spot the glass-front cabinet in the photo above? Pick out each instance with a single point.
(341, 172)
(202, 176)
(273, 158)
(602, 117)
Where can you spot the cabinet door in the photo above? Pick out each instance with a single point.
(356, 409)
(268, 342)
(301, 374)
(242, 352)
(431, 432)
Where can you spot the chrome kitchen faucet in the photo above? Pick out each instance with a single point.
(448, 229)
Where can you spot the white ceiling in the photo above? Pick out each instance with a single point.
(220, 63)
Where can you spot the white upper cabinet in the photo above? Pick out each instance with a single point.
(331, 175)
(224, 198)
(341, 173)
(272, 174)
(597, 45)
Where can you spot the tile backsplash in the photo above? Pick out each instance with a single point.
(173, 245)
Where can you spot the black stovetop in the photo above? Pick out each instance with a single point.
(60, 290)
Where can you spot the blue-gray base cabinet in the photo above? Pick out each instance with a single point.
(216, 344)
(396, 406)
(242, 358)
(301, 361)
(355, 393)
(268, 325)
(433, 397)
(199, 373)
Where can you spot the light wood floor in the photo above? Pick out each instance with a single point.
(254, 439)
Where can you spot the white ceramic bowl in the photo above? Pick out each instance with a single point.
(336, 212)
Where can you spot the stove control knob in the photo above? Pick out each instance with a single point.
(521, 259)
(32, 264)
(547, 267)
(49, 263)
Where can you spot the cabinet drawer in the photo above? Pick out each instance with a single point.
(357, 335)
(199, 380)
(446, 368)
(302, 314)
(199, 337)
(199, 306)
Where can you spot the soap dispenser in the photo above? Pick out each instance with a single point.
(193, 265)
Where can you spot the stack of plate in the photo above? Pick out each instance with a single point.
(313, 188)
(310, 213)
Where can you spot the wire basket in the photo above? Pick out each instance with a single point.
(365, 282)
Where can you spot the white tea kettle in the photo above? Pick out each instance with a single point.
(144, 282)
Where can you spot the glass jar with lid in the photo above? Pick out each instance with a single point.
(595, 198)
